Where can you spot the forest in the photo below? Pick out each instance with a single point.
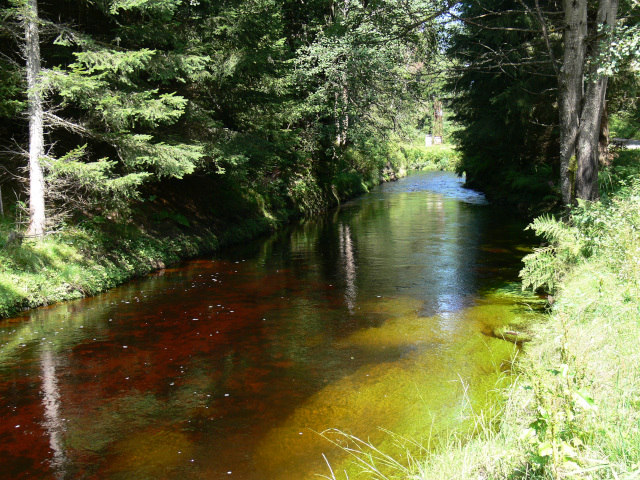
(280, 99)
(135, 133)
(291, 105)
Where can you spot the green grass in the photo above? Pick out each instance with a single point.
(80, 262)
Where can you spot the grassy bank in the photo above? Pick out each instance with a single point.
(436, 157)
(176, 220)
(572, 409)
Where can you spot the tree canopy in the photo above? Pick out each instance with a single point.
(536, 73)
(137, 91)
(292, 98)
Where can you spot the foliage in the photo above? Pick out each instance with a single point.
(436, 157)
(85, 261)
(602, 228)
(597, 256)
(141, 91)
(595, 322)
(504, 98)
(11, 102)
(558, 431)
(625, 124)
(621, 56)
(546, 265)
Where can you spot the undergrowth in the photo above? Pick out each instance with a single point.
(435, 157)
(80, 262)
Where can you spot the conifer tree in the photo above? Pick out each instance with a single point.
(25, 17)
(37, 216)
(572, 43)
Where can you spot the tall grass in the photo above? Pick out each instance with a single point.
(473, 451)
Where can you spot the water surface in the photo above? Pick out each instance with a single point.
(377, 315)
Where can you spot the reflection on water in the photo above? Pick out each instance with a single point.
(53, 423)
(348, 265)
(379, 314)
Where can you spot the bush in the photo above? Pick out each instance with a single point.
(624, 125)
(436, 157)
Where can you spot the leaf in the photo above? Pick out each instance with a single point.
(584, 399)
(545, 449)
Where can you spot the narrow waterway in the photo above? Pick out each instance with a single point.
(379, 315)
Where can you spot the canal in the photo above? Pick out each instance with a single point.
(380, 315)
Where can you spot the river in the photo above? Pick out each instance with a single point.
(377, 316)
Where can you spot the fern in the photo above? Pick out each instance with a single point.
(540, 269)
(552, 230)
(547, 265)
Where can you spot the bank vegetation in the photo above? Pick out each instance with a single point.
(573, 409)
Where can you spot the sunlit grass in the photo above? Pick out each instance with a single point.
(76, 263)
(469, 451)
(434, 157)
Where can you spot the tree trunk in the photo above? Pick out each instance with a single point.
(587, 153)
(603, 141)
(571, 88)
(37, 216)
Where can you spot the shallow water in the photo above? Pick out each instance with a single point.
(377, 315)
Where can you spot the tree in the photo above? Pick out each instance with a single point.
(26, 11)
(37, 217)
(574, 39)
(501, 89)
(582, 92)
(118, 92)
(109, 97)
(365, 68)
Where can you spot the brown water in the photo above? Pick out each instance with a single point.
(378, 315)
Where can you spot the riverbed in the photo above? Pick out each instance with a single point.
(377, 317)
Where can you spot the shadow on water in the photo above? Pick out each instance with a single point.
(378, 314)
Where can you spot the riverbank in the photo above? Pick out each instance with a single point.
(174, 220)
(573, 409)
